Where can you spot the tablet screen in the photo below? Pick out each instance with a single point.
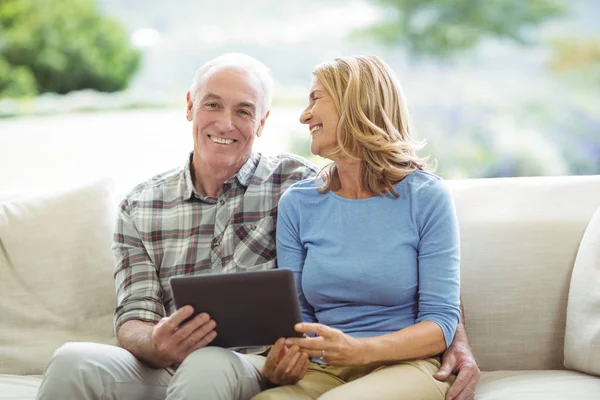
(250, 308)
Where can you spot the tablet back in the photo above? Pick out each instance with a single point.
(250, 308)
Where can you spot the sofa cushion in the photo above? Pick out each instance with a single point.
(13, 387)
(56, 267)
(537, 385)
(519, 240)
(582, 336)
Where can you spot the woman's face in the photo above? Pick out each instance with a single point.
(322, 119)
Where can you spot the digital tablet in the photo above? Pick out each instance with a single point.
(250, 308)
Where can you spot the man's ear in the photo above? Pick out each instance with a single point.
(189, 106)
(262, 124)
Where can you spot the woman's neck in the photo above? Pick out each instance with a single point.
(350, 181)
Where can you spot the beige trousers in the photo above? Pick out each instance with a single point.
(407, 380)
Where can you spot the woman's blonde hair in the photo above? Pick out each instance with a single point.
(374, 124)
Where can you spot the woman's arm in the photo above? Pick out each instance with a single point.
(438, 263)
(424, 339)
(336, 348)
(290, 250)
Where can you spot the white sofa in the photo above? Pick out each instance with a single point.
(520, 241)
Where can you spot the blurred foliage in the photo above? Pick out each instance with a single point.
(60, 46)
(441, 28)
(577, 60)
(535, 136)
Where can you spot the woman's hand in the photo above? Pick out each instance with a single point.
(331, 345)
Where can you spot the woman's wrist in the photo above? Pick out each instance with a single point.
(367, 351)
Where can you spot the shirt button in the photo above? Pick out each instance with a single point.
(222, 202)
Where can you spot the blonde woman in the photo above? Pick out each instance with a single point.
(374, 245)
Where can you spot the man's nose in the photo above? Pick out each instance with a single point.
(225, 121)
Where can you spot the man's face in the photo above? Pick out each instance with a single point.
(225, 116)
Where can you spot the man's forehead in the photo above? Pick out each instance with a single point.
(225, 81)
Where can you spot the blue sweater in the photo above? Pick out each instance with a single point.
(373, 266)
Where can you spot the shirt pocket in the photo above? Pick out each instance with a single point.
(255, 245)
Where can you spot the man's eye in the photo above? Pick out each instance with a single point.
(212, 105)
(244, 112)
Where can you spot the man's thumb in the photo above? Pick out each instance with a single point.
(443, 373)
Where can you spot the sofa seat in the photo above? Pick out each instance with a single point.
(537, 385)
(19, 387)
(496, 385)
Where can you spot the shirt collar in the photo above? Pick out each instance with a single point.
(243, 176)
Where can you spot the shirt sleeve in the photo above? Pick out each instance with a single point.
(136, 278)
(438, 258)
(290, 250)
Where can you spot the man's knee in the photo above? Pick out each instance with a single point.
(217, 373)
(73, 368)
(70, 354)
(213, 360)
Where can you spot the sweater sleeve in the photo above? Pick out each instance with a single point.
(290, 250)
(438, 258)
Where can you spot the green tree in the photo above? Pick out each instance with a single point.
(60, 46)
(441, 28)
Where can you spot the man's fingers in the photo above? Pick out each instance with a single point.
(299, 368)
(199, 334)
(442, 374)
(448, 365)
(272, 359)
(179, 316)
(464, 377)
(200, 321)
(467, 393)
(205, 341)
(287, 363)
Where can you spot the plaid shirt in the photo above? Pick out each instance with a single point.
(166, 228)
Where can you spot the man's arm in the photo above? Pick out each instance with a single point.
(136, 337)
(459, 359)
(140, 325)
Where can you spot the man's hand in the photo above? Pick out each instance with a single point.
(459, 359)
(285, 365)
(174, 340)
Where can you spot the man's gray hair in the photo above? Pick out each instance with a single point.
(245, 63)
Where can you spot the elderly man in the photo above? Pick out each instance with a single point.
(215, 214)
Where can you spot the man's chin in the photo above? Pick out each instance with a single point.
(226, 161)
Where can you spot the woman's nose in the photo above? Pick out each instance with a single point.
(305, 116)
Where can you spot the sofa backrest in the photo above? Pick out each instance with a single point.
(56, 269)
(519, 239)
